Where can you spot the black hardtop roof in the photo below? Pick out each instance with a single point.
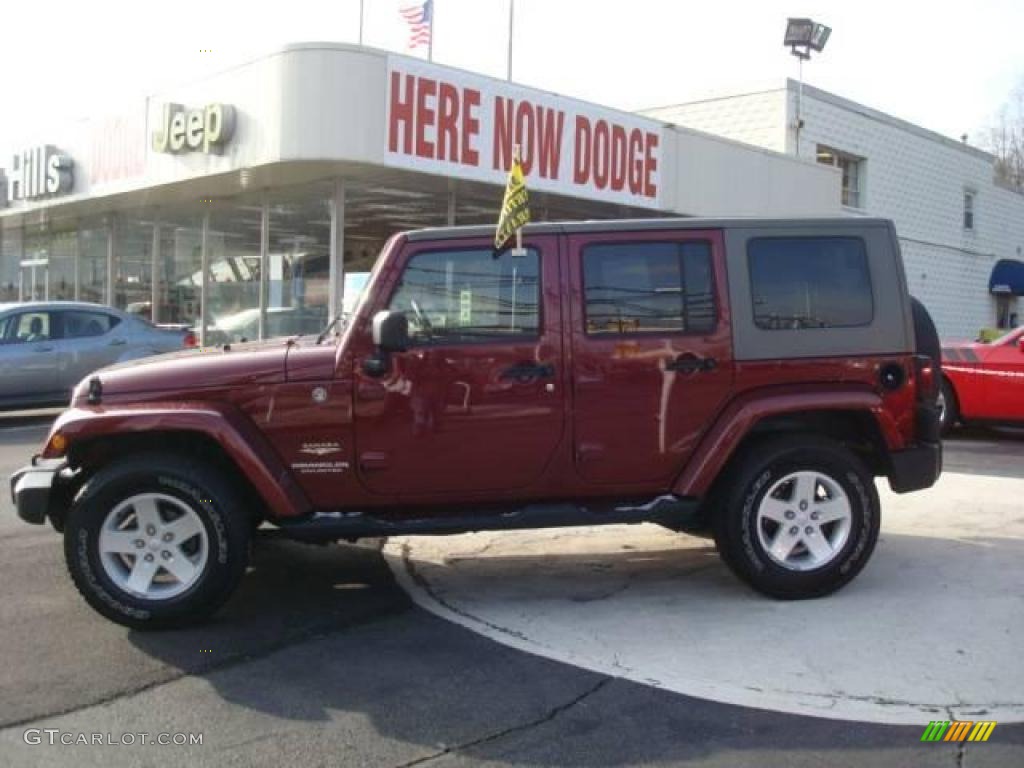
(646, 225)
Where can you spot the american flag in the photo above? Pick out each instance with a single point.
(419, 17)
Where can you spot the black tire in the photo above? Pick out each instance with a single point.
(754, 474)
(926, 337)
(949, 414)
(198, 486)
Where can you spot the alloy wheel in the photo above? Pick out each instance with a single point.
(153, 546)
(804, 520)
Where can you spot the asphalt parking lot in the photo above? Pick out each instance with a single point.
(324, 658)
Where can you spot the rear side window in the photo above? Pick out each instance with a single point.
(452, 297)
(648, 287)
(82, 325)
(810, 282)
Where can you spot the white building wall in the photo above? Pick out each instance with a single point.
(756, 118)
(917, 179)
(911, 175)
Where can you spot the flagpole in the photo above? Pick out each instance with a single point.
(430, 40)
(517, 158)
(361, 22)
(511, 19)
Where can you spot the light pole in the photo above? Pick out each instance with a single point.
(802, 37)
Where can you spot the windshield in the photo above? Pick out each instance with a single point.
(1007, 338)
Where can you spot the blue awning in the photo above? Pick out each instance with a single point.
(1007, 278)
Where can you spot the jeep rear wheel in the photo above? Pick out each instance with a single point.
(801, 517)
(156, 541)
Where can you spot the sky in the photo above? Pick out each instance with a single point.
(943, 66)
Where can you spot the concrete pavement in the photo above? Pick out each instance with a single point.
(930, 629)
(321, 658)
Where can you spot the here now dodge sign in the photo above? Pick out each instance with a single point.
(457, 124)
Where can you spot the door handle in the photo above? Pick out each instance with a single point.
(42, 349)
(525, 372)
(118, 343)
(691, 363)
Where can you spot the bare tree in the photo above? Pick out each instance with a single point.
(1005, 139)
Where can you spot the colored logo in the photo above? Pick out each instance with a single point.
(958, 730)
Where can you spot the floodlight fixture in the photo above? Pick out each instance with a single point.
(802, 37)
(806, 35)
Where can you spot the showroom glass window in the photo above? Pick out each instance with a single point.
(133, 265)
(93, 239)
(233, 287)
(48, 265)
(810, 282)
(179, 268)
(10, 258)
(649, 287)
(298, 261)
(63, 264)
(465, 296)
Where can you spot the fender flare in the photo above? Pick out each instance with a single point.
(736, 421)
(237, 436)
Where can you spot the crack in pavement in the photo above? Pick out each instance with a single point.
(961, 748)
(884, 701)
(427, 587)
(491, 737)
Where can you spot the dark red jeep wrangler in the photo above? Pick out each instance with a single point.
(743, 378)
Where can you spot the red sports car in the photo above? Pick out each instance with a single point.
(983, 383)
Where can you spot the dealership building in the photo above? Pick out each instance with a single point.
(961, 233)
(265, 188)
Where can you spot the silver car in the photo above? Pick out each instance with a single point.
(48, 347)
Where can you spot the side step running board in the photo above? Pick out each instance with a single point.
(672, 512)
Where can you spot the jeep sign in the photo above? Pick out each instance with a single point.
(195, 130)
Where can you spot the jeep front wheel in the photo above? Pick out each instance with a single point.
(156, 541)
(801, 517)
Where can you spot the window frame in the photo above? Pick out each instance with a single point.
(507, 339)
(970, 195)
(751, 282)
(858, 164)
(713, 288)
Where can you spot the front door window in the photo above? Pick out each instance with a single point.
(453, 297)
(476, 402)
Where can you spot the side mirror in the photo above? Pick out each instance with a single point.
(1020, 344)
(391, 331)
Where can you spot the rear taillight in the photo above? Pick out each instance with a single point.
(190, 340)
(927, 378)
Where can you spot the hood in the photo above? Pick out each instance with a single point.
(194, 369)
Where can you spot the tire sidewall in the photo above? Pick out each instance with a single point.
(950, 413)
(749, 556)
(108, 489)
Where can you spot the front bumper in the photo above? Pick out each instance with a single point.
(32, 488)
(916, 467)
